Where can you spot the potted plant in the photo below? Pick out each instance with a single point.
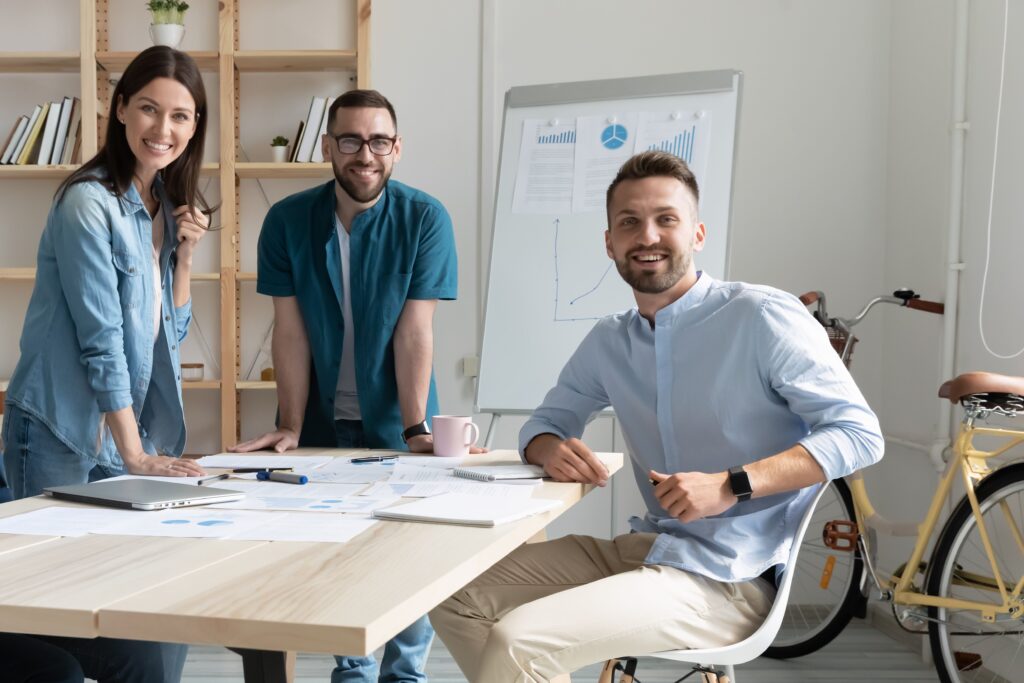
(279, 149)
(168, 27)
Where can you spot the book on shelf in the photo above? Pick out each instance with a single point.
(14, 138)
(49, 134)
(74, 142)
(62, 129)
(295, 145)
(33, 117)
(318, 149)
(313, 119)
(32, 142)
(74, 131)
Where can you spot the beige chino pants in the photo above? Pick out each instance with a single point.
(551, 608)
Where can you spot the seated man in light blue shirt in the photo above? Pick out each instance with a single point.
(733, 405)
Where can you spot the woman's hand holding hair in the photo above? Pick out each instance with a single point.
(192, 225)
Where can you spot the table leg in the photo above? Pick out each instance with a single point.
(265, 666)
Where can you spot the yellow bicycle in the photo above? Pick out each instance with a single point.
(968, 596)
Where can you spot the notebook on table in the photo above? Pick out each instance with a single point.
(500, 472)
(467, 509)
(142, 494)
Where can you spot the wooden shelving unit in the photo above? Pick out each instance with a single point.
(228, 62)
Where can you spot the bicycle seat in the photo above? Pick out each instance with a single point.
(972, 383)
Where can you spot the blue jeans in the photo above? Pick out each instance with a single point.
(405, 655)
(34, 459)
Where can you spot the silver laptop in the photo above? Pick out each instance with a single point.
(142, 494)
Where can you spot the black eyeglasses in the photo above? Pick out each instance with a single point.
(350, 144)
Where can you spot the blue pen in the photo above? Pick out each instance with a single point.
(285, 477)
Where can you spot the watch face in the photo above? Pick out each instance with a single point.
(740, 483)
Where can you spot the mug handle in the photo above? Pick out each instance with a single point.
(475, 431)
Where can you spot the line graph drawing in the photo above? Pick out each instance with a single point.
(582, 288)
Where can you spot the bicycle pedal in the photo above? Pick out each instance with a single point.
(967, 661)
(840, 534)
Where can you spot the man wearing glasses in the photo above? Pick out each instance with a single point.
(355, 268)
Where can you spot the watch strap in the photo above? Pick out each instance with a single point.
(416, 430)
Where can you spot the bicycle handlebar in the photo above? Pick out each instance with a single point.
(901, 297)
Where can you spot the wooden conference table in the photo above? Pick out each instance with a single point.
(260, 598)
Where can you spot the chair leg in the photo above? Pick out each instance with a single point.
(608, 671)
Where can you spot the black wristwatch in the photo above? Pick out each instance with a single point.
(740, 483)
(416, 430)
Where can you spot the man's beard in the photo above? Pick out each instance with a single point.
(352, 191)
(654, 283)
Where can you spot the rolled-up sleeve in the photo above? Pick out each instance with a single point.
(436, 270)
(574, 401)
(274, 268)
(183, 319)
(804, 369)
(83, 251)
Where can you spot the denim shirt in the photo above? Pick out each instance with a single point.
(87, 346)
(731, 373)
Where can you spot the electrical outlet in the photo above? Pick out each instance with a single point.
(470, 366)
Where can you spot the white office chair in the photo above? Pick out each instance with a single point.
(739, 653)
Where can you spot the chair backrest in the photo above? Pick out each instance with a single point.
(756, 643)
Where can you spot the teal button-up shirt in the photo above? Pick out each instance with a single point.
(401, 248)
(87, 346)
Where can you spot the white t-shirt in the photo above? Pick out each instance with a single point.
(346, 397)
(158, 243)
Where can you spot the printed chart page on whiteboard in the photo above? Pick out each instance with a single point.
(550, 278)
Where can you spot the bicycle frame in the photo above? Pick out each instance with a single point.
(972, 464)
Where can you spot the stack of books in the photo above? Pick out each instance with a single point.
(51, 134)
(307, 147)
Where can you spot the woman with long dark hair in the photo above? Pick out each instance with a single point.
(97, 389)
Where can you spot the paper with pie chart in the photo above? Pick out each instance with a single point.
(603, 144)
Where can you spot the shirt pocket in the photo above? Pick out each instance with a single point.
(130, 285)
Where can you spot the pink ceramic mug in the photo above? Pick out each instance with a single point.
(454, 434)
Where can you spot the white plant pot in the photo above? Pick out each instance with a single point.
(167, 34)
(279, 153)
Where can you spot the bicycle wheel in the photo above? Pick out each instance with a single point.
(966, 648)
(819, 609)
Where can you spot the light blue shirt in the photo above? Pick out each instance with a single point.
(730, 374)
(87, 346)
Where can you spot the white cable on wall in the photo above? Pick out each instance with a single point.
(992, 192)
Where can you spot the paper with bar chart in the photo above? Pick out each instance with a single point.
(544, 179)
(683, 133)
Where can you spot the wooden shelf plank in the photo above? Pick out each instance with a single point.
(245, 276)
(295, 60)
(39, 62)
(204, 384)
(26, 274)
(210, 168)
(256, 385)
(205, 276)
(254, 169)
(115, 62)
(34, 172)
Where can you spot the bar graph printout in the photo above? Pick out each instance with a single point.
(545, 175)
(684, 133)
